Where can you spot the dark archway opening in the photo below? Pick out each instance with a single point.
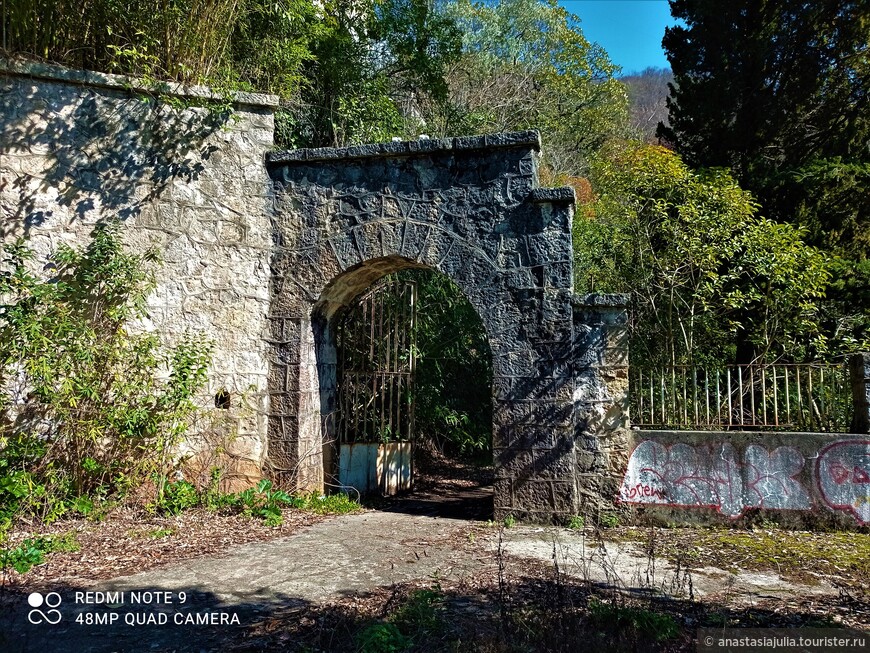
(453, 404)
(450, 401)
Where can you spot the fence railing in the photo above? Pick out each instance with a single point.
(804, 397)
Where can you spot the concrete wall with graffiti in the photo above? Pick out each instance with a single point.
(807, 479)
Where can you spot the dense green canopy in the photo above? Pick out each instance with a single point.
(779, 92)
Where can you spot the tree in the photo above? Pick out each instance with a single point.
(762, 85)
(345, 71)
(373, 63)
(704, 271)
(779, 92)
(526, 65)
(647, 98)
(453, 378)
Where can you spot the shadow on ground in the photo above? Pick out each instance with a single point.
(533, 611)
(473, 503)
(444, 488)
(66, 623)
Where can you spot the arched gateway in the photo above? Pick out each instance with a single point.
(471, 209)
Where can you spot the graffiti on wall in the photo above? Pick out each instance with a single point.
(713, 476)
(843, 473)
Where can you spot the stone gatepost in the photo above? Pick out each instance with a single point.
(601, 419)
(859, 372)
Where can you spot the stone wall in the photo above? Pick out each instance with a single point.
(77, 148)
(600, 364)
(798, 479)
(806, 480)
(264, 258)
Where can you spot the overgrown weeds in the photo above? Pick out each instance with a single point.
(842, 557)
(180, 39)
(412, 625)
(32, 551)
(263, 501)
(88, 409)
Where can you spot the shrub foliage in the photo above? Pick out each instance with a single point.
(88, 408)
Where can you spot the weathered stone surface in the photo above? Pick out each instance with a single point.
(470, 209)
(600, 372)
(553, 195)
(798, 479)
(79, 147)
(265, 258)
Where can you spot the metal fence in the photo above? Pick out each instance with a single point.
(805, 397)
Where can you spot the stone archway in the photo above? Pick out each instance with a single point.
(469, 208)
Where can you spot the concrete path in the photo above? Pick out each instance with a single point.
(626, 566)
(195, 604)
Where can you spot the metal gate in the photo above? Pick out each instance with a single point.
(375, 408)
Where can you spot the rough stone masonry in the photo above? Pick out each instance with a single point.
(471, 209)
(263, 250)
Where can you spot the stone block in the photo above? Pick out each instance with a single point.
(503, 494)
(545, 496)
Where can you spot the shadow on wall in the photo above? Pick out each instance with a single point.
(100, 152)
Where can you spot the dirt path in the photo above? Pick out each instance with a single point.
(341, 557)
(348, 554)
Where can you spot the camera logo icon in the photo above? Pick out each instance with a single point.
(51, 601)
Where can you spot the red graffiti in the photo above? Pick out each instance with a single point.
(709, 475)
(684, 475)
(842, 474)
(643, 490)
(839, 473)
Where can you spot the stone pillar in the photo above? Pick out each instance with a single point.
(533, 447)
(859, 372)
(601, 421)
(284, 402)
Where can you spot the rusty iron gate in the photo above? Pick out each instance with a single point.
(375, 408)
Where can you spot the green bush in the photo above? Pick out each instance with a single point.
(608, 519)
(382, 638)
(264, 502)
(332, 504)
(87, 408)
(32, 551)
(211, 497)
(422, 614)
(23, 557)
(177, 496)
(453, 378)
(643, 623)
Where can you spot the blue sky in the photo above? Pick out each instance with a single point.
(630, 30)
